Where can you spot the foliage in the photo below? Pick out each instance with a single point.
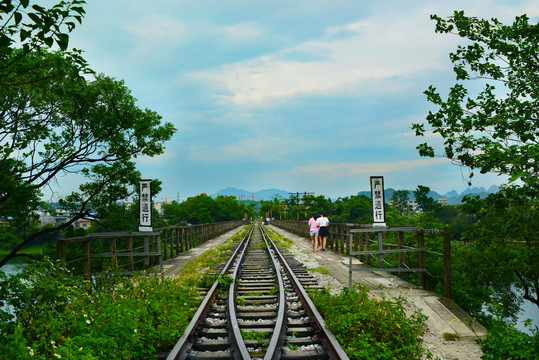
(506, 258)
(493, 130)
(496, 131)
(451, 336)
(371, 329)
(354, 208)
(224, 282)
(399, 200)
(503, 341)
(261, 337)
(57, 315)
(54, 121)
(425, 202)
(203, 209)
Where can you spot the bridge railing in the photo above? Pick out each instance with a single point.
(404, 251)
(177, 239)
(128, 252)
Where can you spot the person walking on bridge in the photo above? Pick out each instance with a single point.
(313, 230)
(323, 232)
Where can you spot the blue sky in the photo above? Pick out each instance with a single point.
(303, 95)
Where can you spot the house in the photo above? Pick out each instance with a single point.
(442, 201)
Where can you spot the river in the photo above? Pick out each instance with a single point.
(529, 311)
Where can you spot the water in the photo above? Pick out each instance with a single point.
(11, 269)
(529, 311)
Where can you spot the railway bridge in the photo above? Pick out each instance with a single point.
(355, 256)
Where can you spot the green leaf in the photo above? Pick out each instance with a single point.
(18, 18)
(63, 41)
(35, 18)
(24, 35)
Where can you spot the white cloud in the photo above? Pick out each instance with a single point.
(268, 149)
(350, 169)
(244, 32)
(155, 36)
(373, 50)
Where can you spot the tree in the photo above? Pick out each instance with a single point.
(399, 200)
(424, 201)
(497, 130)
(354, 208)
(508, 227)
(54, 122)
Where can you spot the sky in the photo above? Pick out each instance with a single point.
(303, 95)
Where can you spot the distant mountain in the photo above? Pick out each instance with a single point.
(474, 190)
(388, 193)
(248, 195)
(453, 197)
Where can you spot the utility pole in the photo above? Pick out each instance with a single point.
(305, 193)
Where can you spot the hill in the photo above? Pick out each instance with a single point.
(453, 197)
(266, 194)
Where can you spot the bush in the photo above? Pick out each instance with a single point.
(371, 329)
(56, 314)
(504, 341)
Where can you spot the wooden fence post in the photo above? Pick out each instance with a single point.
(177, 238)
(171, 235)
(447, 264)
(146, 250)
(130, 249)
(113, 249)
(61, 251)
(165, 244)
(400, 256)
(368, 243)
(87, 260)
(421, 258)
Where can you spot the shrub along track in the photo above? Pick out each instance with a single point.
(258, 309)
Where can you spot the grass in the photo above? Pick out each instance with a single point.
(320, 270)
(35, 250)
(259, 336)
(451, 336)
(280, 240)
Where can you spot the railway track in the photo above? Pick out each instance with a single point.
(264, 313)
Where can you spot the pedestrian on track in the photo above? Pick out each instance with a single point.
(323, 231)
(313, 230)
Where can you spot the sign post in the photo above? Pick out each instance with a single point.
(145, 205)
(378, 212)
(378, 201)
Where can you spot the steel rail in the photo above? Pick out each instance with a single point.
(239, 350)
(330, 342)
(275, 346)
(184, 343)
